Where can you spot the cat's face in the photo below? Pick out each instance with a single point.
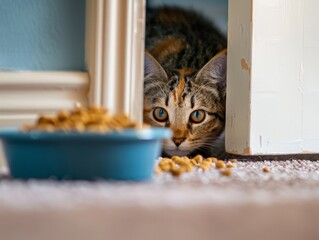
(190, 102)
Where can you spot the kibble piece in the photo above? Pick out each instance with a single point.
(204, 166)
(44, 119)
(158, 170)
(175, 158)
(227, 172)
(193, 162)
(178, 160)
(186, 158)
(166, 168)
(266, 169)
(198, 158)
(166, 164)
(164, 161)
(172, 164)
(211, 159)
(63, 115)
(206, 163)
(176, 172)
(220, 164)
(187, 166)
(229, 165)
(233, 160)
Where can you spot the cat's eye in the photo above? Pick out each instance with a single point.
(160, 114)
(197, 116)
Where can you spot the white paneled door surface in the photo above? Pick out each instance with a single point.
(273, 77)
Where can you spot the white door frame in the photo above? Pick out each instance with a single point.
(272, 77)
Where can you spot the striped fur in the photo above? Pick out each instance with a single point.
(185, 71)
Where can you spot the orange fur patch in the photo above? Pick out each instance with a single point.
(167, 47)
(175, 95)
(180, 88)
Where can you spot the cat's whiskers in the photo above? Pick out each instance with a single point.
(211, 142)
(210, 146)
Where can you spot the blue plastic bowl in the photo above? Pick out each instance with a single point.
(125, 155)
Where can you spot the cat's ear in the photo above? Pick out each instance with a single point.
(152, 69)
(215, 69)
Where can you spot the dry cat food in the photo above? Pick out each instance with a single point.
(81, 119)
(227, 172)
(179, 165)
(266, 169)
(229, 165)
(220, 164)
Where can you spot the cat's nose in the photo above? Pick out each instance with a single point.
(178, 141)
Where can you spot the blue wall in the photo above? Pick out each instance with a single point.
(42, 34)
(216, 10)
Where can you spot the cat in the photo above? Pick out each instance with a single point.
(185, 80)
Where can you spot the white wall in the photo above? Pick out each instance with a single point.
(42, 35)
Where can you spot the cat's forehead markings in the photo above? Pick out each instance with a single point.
(180, 88)
(179, 91)
(192, 102)
(166, 101)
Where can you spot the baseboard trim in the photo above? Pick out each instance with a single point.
(25, 95)
(43, 80)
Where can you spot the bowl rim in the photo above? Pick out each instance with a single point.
(150, 133)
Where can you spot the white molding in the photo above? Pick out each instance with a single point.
(43, 80)
(115, 55)
(94, 48)
(24, 95)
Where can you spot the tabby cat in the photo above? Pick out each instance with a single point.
(185, 80)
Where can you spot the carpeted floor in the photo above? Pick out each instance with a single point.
(250, 204)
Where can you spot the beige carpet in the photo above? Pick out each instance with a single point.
(251, 204)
